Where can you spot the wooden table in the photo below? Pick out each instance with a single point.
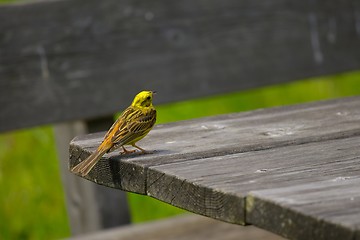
(293, 170)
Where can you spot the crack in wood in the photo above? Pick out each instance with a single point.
(151, 184)
(169, 184)
(177, 192)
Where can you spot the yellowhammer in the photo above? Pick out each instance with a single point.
(131, 126)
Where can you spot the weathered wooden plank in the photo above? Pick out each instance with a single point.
(320, 210)
(112, 206)
(217, 186)
(221, 135)
(76, 59)
(186, 227)
(209, 165)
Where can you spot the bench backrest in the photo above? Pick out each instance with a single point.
(80, 59)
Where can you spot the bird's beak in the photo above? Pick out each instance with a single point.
(153, 92)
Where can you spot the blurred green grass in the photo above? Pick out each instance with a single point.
(31, 195)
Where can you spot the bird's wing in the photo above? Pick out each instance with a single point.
(119, 124)
(117, 129)
(133, 124)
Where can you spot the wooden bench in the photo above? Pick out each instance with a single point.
(70, 60)
(291, 170)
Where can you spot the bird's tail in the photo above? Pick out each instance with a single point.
(85, 166)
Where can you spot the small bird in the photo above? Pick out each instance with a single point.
(132, 125)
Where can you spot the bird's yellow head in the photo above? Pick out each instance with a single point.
(143, 99)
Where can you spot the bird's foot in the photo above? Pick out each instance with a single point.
(124, 151)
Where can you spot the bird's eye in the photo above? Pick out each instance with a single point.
(148, 98)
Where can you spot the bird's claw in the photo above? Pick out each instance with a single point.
(127, 151)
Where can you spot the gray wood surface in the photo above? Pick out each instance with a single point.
(187, 227)
(209, 166)
(75, 59)
(330, 208)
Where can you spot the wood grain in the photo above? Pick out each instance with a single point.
(328, 209)
(208, 166)
(217, 186)
(75, 59)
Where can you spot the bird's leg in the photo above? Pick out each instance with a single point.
(126, 151)
(143, 151)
